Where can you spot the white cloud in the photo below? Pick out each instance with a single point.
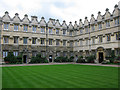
(69, 10)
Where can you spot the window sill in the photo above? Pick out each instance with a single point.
(5, 29)
(16, 30)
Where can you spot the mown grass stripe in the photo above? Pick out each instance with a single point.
(62, 76)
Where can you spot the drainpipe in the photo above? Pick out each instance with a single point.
(0, 40)
(47, 42)
(89, 41)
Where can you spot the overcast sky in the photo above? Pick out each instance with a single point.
(68, 10)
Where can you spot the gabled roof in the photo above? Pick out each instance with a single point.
(80, 24)
(6, 17)
(116, 11)
(70, 26)
(34, 20)
(86, 23)
(16, 18)
(99, 17)
(42, 22)
(64, 25)
(92, 20)
(25, 20)
(51, 23)
(107, 14)
(76, 26)
(57, 24)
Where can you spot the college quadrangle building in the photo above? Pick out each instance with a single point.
(97, 37)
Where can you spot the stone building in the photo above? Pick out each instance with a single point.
(97, 37)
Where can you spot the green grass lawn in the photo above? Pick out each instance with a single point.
(60, 76)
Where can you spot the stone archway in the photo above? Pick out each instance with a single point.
(25, 58)
(100, 54)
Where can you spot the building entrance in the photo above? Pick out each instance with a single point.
(100, 57)
(25, 59)
(50, 58)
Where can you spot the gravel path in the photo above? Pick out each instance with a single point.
(59, 63)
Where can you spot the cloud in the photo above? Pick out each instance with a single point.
(69, 10)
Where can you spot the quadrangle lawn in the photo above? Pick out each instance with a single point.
(60, 76)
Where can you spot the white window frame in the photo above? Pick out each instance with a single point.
(34, 41)
(93, 27)
(42, 30)
(50, 31)
(6, 26)
(5, 53)
(107, 24)
(15, 38)
(34, 28)
(57, 32)
(70, 33)
(50, 41)
(64, 42)
(16, 26)
(57, 42)
(25, 28)
(64, 32)
(25, 38)
(4, 41)
(42, 41)
(15, 53)
(100, 26)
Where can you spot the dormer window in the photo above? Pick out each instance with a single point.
(70, 33)
(86, 29)
(107, 24)
(57, 31)
(15, 27)
(93, 27)
(34, 28)
(81, 31)
(75, 32)
(64, 32)
(116, 21)
(6, 25)
(50, 31)
(42, 30)
(100, 26)
(25, 28)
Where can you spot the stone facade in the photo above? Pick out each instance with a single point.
(97, 37)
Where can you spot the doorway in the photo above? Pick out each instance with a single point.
(76, 58)
(50, 58)
(25, 59)
(100, 57)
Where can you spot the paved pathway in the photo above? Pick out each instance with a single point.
(60, 63)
